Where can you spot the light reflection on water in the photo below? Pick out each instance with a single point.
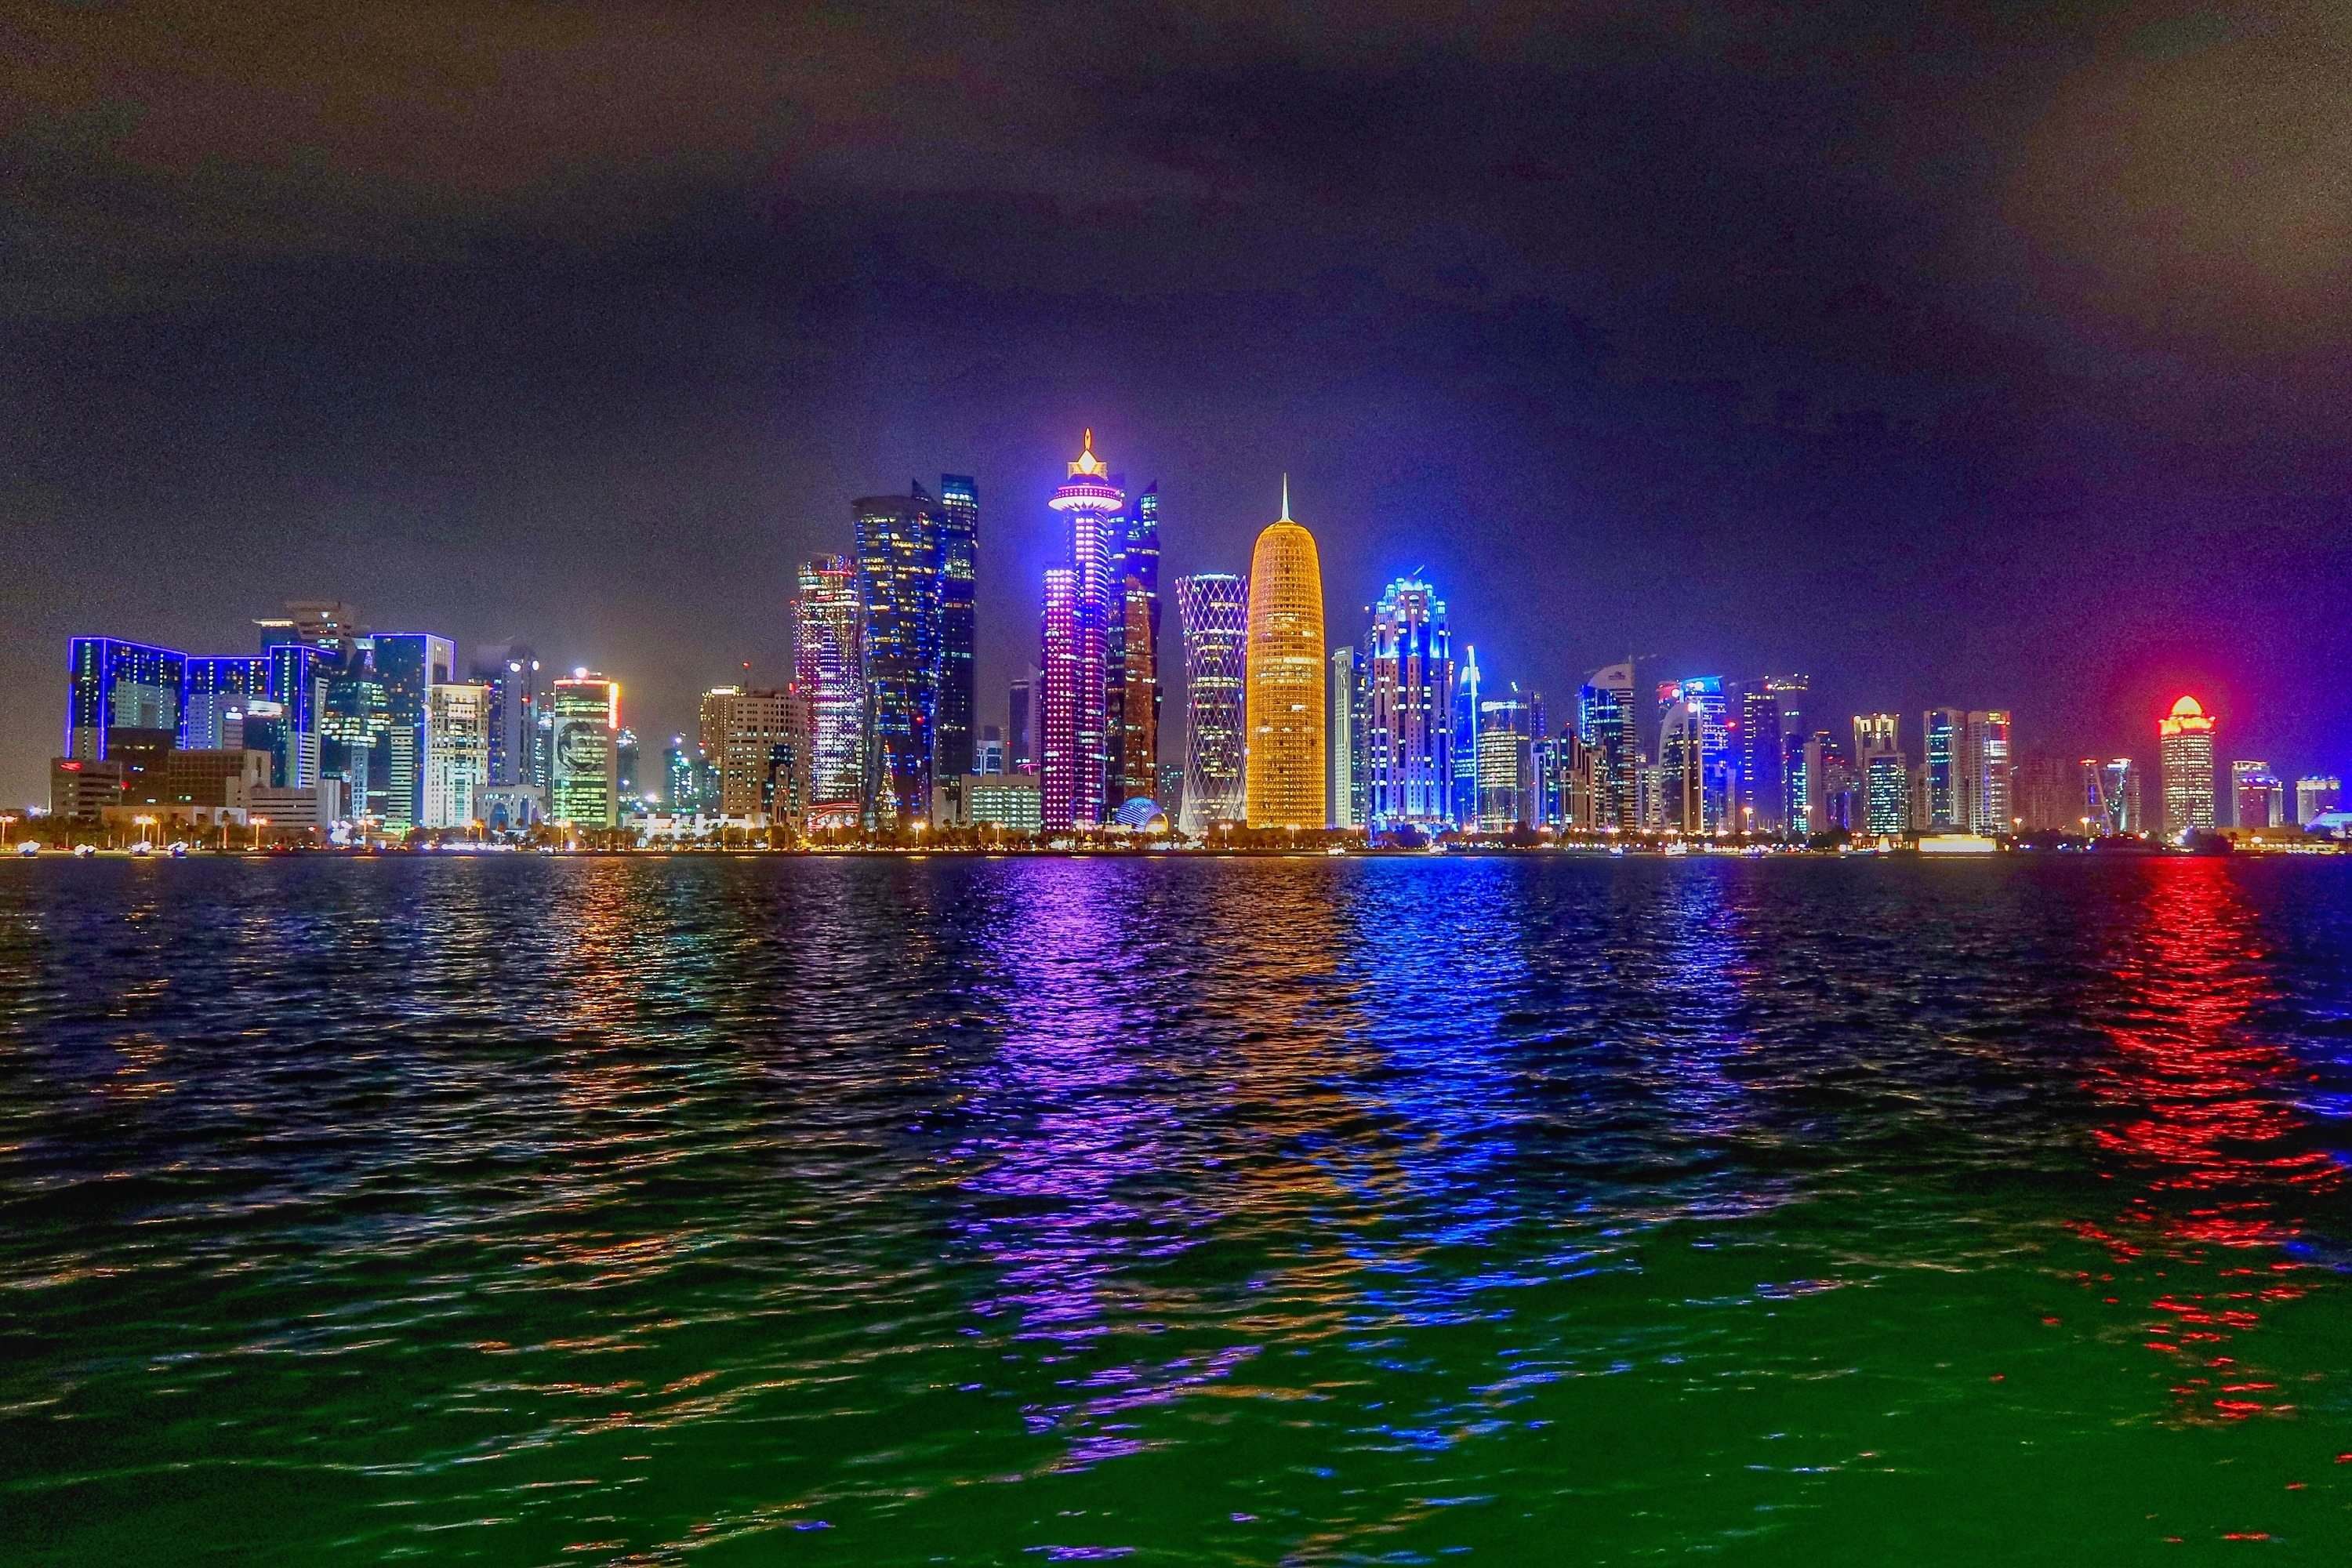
(1254, 1211)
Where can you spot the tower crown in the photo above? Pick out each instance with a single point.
(1089, 465)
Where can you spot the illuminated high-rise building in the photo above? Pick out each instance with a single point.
(900, 572)
(1021, 729)
(1138, 692)
(1282, 769)
(958, 513)
(218, 691)
(2185, 742)
(1882, 774)
(456, 751)
(2111, 798)
(1763, 717)
(1075, 716)
(689, 779)
(1409, 721)
(1694, 750)
(829, 668)
(1826, 784)
(1985, 770)
(1507, 786)
(518, 699)
(1340, 750)
(1944, 734)
(1212, 614)
(2257, 796)
(409, 665)
(1462, 746)
(2317, 795)
(114, 686)
(1131, 694)
(1607, 724)
(584, 790)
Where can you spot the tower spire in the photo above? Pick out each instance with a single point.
(1286, 499)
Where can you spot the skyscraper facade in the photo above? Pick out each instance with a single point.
(456, 751)
(1131, 660)
(900, 569)
(584, 790)
(2185, 744)
(1694, 750)
(212, 704)
(409, 665)
(1283, 768)
(1213, 614)
(2317, 795)
(2257, 795)
(112, 685)
(1340, 748)
(1075, 754)
(1882, 774)
(1761, 714)
(1410, 720)
(1507, 777)
(829, 668)
(958, 513)
(1944, 734)
(1461, 744)
(2111, 798)
(1986, 771)
(1607, 724)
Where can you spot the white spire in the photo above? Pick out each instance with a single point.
(1286, 499)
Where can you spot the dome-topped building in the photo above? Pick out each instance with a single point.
(2185, 738)
(1283, 772)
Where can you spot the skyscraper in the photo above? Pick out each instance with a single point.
(1138, 688)
(1695, 750)
(900, 569)
(2257, 795)
(584, 790)
(1985, 769)
(748, 734)
(1282, 769)
(112, 686)
(1884, 774)
(1079, 604)
(512, 673)
(1759, 794)
(1409, 702)
(409, 665)
(829, 668)
(1131, 672)
(216, 693)
(959, 572)
(1462, 745)
(2185, 742)
(457, 752)
(1020, 730)
(1213, 612)
(1944, 732)
(1340, 749)
(2317, 795)
(1506, 780)
(1606, 723)
(2111, 802)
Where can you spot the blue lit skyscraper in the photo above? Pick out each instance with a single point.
(1409, 713)
(114, 686)
(959, 526)
(1463, 809)
(1695, 752)
(218, 690)
(1607, 724)
(899, 566)
(1945, 732)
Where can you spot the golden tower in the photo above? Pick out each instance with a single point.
(1283, 775)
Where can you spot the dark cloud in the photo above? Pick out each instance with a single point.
(1953, 353)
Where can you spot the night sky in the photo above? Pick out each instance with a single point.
(1950, 357)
